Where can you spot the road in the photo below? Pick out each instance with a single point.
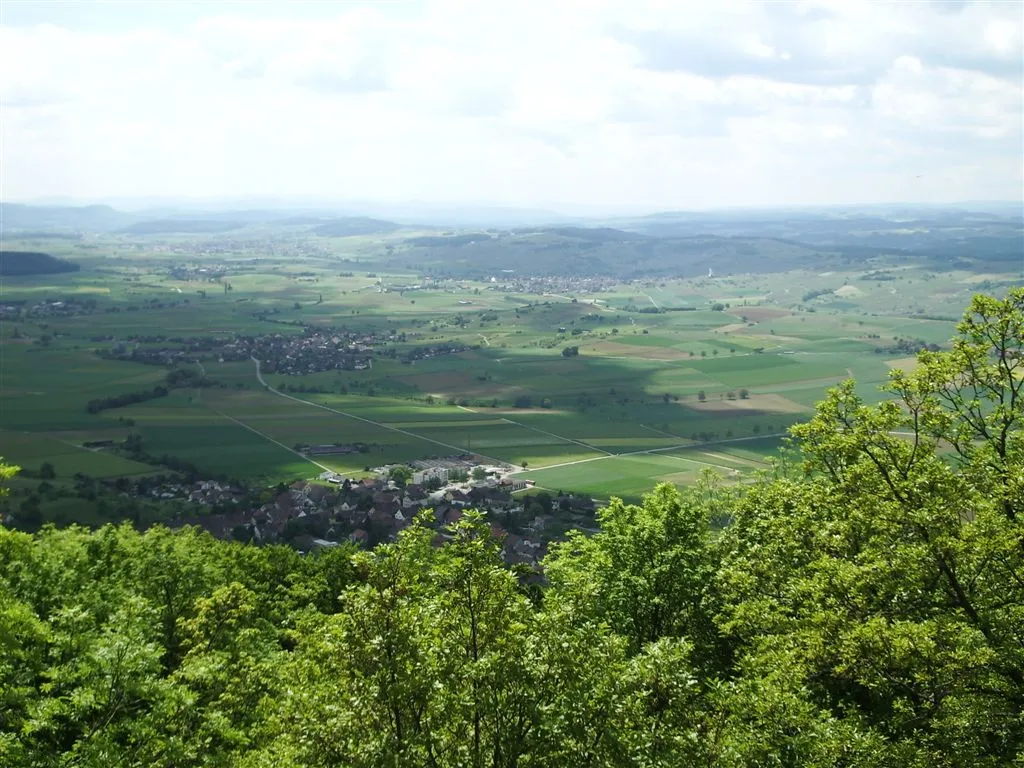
(460, 449)
(456, 448)
(275, 442)
(662, 450)
(559, 437)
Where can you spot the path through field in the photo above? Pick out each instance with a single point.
(662, 450)
(275, 442)
(458, 449)
(559, 437)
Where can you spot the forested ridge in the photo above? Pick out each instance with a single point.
(14, 263)
(860, 605)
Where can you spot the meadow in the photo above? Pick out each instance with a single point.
(651, 395)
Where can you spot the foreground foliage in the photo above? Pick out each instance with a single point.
(864, 605)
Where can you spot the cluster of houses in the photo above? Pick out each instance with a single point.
(215, 494)
(311, 352)
(312, 515)
(190, 272)
(285, 354)
(434, 350)
(554, 286)
(212, 493)
(13, 310)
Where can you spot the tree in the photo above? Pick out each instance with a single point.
(885, 582)
(648, 573)
(479, 474)
(401, 475)
(860, 603)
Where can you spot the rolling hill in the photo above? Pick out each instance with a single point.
(14, 263)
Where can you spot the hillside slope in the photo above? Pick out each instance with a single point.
(31, 263)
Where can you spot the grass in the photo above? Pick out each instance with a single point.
(627, 392)
(31, 451)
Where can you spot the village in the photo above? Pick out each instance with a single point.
(330, 510)
(65, 307)
(312, 351)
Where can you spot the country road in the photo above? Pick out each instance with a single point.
(662, 450)
(275, 442)
(559, 437)
(458, 449)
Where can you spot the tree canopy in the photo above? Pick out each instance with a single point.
(862, 604)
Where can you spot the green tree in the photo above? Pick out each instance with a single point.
(649, 570)
(887, 579)
(7, 471)
(400, 475)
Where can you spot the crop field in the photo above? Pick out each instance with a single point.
(30, 451)
(594, 390)
(630, 476)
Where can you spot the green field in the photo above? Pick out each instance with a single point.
(650, 396)
(30, 451)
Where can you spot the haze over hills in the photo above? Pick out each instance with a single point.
(664, 243)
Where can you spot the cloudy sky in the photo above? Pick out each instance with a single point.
(607, 103)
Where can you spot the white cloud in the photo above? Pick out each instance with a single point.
(641, 103)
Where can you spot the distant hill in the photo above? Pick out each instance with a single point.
(595, 234)
(932, 234)
(355, 225)
(447, 241)
(579, 251)
(30, 263)
(44, 235)
(36, 218)
(180, 226)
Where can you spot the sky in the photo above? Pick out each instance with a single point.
(626, 104)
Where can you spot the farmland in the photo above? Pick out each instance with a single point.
(600, 385)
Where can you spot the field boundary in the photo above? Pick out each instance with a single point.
(407, 433)
(275, 442)
(661, 450)
(559, 437)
